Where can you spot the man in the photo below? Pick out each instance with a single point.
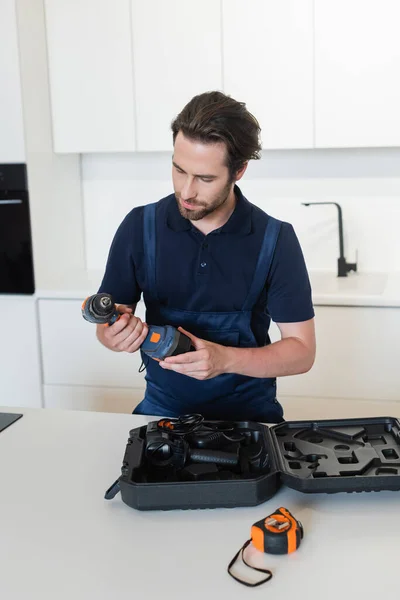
(218, 267)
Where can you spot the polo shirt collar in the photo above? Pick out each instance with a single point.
(239, 222)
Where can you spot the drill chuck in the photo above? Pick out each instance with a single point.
(100, 309)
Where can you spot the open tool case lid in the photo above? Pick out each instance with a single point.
(328, 456)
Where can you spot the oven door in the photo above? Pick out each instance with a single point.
(16, 264)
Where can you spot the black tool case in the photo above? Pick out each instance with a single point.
(328, 456)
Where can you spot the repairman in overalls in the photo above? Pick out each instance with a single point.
(210, 262)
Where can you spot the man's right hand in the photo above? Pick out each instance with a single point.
(125, 335)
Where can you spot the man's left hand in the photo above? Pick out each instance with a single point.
(207, 360)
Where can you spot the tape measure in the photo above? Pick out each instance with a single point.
(279, 533)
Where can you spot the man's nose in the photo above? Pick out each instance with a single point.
(188, 191)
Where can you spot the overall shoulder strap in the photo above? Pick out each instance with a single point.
(149, 246)
(263, 263)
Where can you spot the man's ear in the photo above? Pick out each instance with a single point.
(241, 172)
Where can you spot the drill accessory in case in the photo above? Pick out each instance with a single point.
(165, 448)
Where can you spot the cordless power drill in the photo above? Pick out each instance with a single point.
(161, 341)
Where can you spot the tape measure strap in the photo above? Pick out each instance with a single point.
(248, 583)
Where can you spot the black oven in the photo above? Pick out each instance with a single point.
(16, 263)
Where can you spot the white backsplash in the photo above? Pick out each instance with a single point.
(366, 183)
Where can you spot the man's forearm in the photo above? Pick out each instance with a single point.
(289, 356)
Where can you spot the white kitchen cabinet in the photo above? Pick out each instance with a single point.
(102, 399)
(268, 64)
(20, 379)
(357, 355)
(314, 73)
(357, 358)
(90, 70)
(72, 355)
(177, 54)
(12, 146)
(357, 65)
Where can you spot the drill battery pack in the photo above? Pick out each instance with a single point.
(165, 341)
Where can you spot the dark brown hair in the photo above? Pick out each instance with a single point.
(214, 117)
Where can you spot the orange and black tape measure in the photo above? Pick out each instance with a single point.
(279, 533)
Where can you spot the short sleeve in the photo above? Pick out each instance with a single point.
(289, 298)
(119, 278)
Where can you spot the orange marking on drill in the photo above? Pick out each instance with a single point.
(155, 337)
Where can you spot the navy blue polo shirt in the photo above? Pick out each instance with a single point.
(214, 272)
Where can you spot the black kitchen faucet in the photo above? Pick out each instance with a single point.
(343, 266)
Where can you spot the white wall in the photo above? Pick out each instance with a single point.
(365, 182)
(53, 179)
(12, 148)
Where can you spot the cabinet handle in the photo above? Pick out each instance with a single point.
(10, 201)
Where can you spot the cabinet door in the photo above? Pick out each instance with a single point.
(357, 356)
(20, 380)
(12, 147)
(177, 54)
(72, 355)
(268, 64)
(90, 69)
(101, 399)
(357, 65)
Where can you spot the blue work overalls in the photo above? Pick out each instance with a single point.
(227, 396)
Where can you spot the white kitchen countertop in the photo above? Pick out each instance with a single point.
(358, 289)
(59, 538)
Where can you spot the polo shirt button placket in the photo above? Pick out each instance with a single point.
(203, 259)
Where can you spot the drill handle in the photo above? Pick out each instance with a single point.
(214, 456)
